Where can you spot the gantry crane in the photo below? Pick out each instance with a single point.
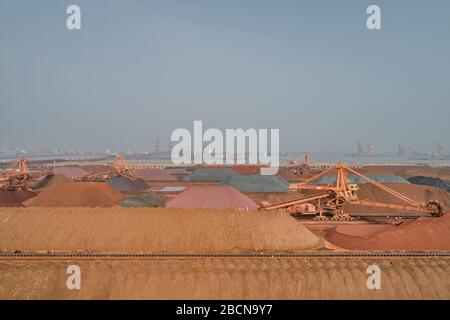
(336, 196)
(16, 176)
(119, 168)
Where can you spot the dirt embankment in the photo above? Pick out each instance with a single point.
(429, 181)
(50, 180)
(76, 194)
(151, 230)
(14, 198)
(125, 184)
(420, 234)
(227, 278)
(217, 197)
(409, 171)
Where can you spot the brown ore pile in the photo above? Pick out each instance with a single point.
(418, 193)
(76, 194)
(169, 230)
(420, 234)
(14, 198)
(227, 278)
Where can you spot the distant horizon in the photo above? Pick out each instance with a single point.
(138, 70)
(164, 151)
(165, 148)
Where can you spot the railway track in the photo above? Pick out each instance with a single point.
(266, 255)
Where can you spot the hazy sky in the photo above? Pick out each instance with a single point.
(140, 69)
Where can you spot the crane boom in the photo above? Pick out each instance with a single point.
(286, 204)
(119, 168)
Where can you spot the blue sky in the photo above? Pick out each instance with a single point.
(140, 69)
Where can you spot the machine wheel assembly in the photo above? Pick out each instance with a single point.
(342, 217)
(436, 208)
(320, 218)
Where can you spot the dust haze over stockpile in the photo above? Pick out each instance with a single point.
(140, 69)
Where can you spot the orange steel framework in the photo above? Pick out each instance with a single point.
(304, 168)
(119, 168)
(343, 192)
(17, 175)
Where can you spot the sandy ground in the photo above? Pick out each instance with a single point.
(228, 278)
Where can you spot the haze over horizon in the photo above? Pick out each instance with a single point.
(138, 70)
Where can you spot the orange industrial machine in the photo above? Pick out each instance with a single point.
(302, 160)
(119, 168)
(16, 176)
(336, 196)
(303, 166)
